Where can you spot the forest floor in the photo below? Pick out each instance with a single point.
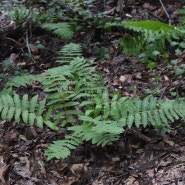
(142, 157)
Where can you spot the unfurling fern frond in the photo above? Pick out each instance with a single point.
(63, 29)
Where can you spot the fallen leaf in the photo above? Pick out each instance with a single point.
(182, 148)
(77, 169)
(22, 171)
(3, 170)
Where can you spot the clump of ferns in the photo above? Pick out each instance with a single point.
(78, 100)
(18, 12)
(104, 119)
(179, 44)
(70, 83)
(149, 39)
(82, 103)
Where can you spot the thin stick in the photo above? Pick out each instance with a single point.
(167, 14)
(29, 50)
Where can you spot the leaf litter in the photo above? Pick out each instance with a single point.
(142, 156)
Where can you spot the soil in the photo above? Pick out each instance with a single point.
(143, 156)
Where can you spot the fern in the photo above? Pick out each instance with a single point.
(62, 148)
(104, 119)
(29, 111)
(151, 28)
(67, 86)
(63, 29)
(79, 100)
(149, 36)
(69, 52)
(20, 14)
(24, 80)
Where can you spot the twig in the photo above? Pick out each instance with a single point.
(167, 14)
(29, 50)
(7, 38)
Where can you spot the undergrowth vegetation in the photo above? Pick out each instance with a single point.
(76, 95)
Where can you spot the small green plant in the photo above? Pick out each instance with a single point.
(14, 107)
(62, 29)
(23, 80)
(148, 40)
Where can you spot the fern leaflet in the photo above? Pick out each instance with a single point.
(62, 29)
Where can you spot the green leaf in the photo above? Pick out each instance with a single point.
(33, 103)
(151, 65)
(25, 116)
(4, 113)
(17, 115)
(11, 112)
(41, 107)
(25, 102)
(39, 120)
(31, 118)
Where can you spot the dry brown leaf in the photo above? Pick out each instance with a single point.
(166, 140)
(70, 181)
(77, 169)
(150, 172)
(56, 174)
(3, 170)
(131, 180)
(22, 170)
(182, 148)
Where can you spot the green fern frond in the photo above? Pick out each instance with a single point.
(69, 85)
(151, 28)
(149, 36)
(124, 112)
(62, 148)
(63, 29)
(132, 45)
(104, 132)
(24, 80)
(20, 14)
(29, 111)
(18, 81)
(69, 52)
